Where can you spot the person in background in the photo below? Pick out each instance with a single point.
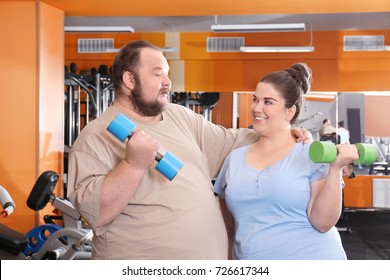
(325, 124)
(343, 133)
(329, 133)
(134, 211)
(277, 203)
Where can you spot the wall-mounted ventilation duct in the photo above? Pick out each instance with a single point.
(225, 44)
(95, 45)
(364, 43)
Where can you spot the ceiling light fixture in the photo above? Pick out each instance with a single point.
(277, 49)
(99, 29)
(272, 49)
(277, 27)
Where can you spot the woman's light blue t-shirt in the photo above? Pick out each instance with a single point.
(269, 208)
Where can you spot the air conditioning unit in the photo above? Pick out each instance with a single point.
(225, 44)
(364, 43)
(95, 45)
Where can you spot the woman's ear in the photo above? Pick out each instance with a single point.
(291, 112)
(128, 80)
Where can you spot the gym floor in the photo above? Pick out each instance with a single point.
(369, 238)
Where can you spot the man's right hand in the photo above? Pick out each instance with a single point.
(141, 149)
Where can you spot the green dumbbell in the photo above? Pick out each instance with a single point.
(326, 152)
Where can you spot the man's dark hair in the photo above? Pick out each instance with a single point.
(127, 59)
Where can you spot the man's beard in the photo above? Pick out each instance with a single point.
(144, 108)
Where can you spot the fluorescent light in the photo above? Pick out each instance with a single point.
(112, 50)
(99, 29)
(277, 49)
(277, 27)
(168, 49)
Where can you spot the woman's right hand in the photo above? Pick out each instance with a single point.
(347, 153)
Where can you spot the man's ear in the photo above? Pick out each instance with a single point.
(128, 80)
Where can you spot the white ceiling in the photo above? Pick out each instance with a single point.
(318, 22)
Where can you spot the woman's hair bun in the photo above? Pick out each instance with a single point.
(302, 74)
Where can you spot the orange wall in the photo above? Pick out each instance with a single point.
(31, 76)
(358, 192)
(222, 112)
(364, 71)
(18, 114)
(333, 69)
(245, 119)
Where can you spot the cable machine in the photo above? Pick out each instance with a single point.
(200, 102)
(87, 96)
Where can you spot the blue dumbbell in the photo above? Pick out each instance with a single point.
(122, 128)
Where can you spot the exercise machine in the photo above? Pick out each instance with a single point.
(46, 241)
(88, 95)
(200, 102)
